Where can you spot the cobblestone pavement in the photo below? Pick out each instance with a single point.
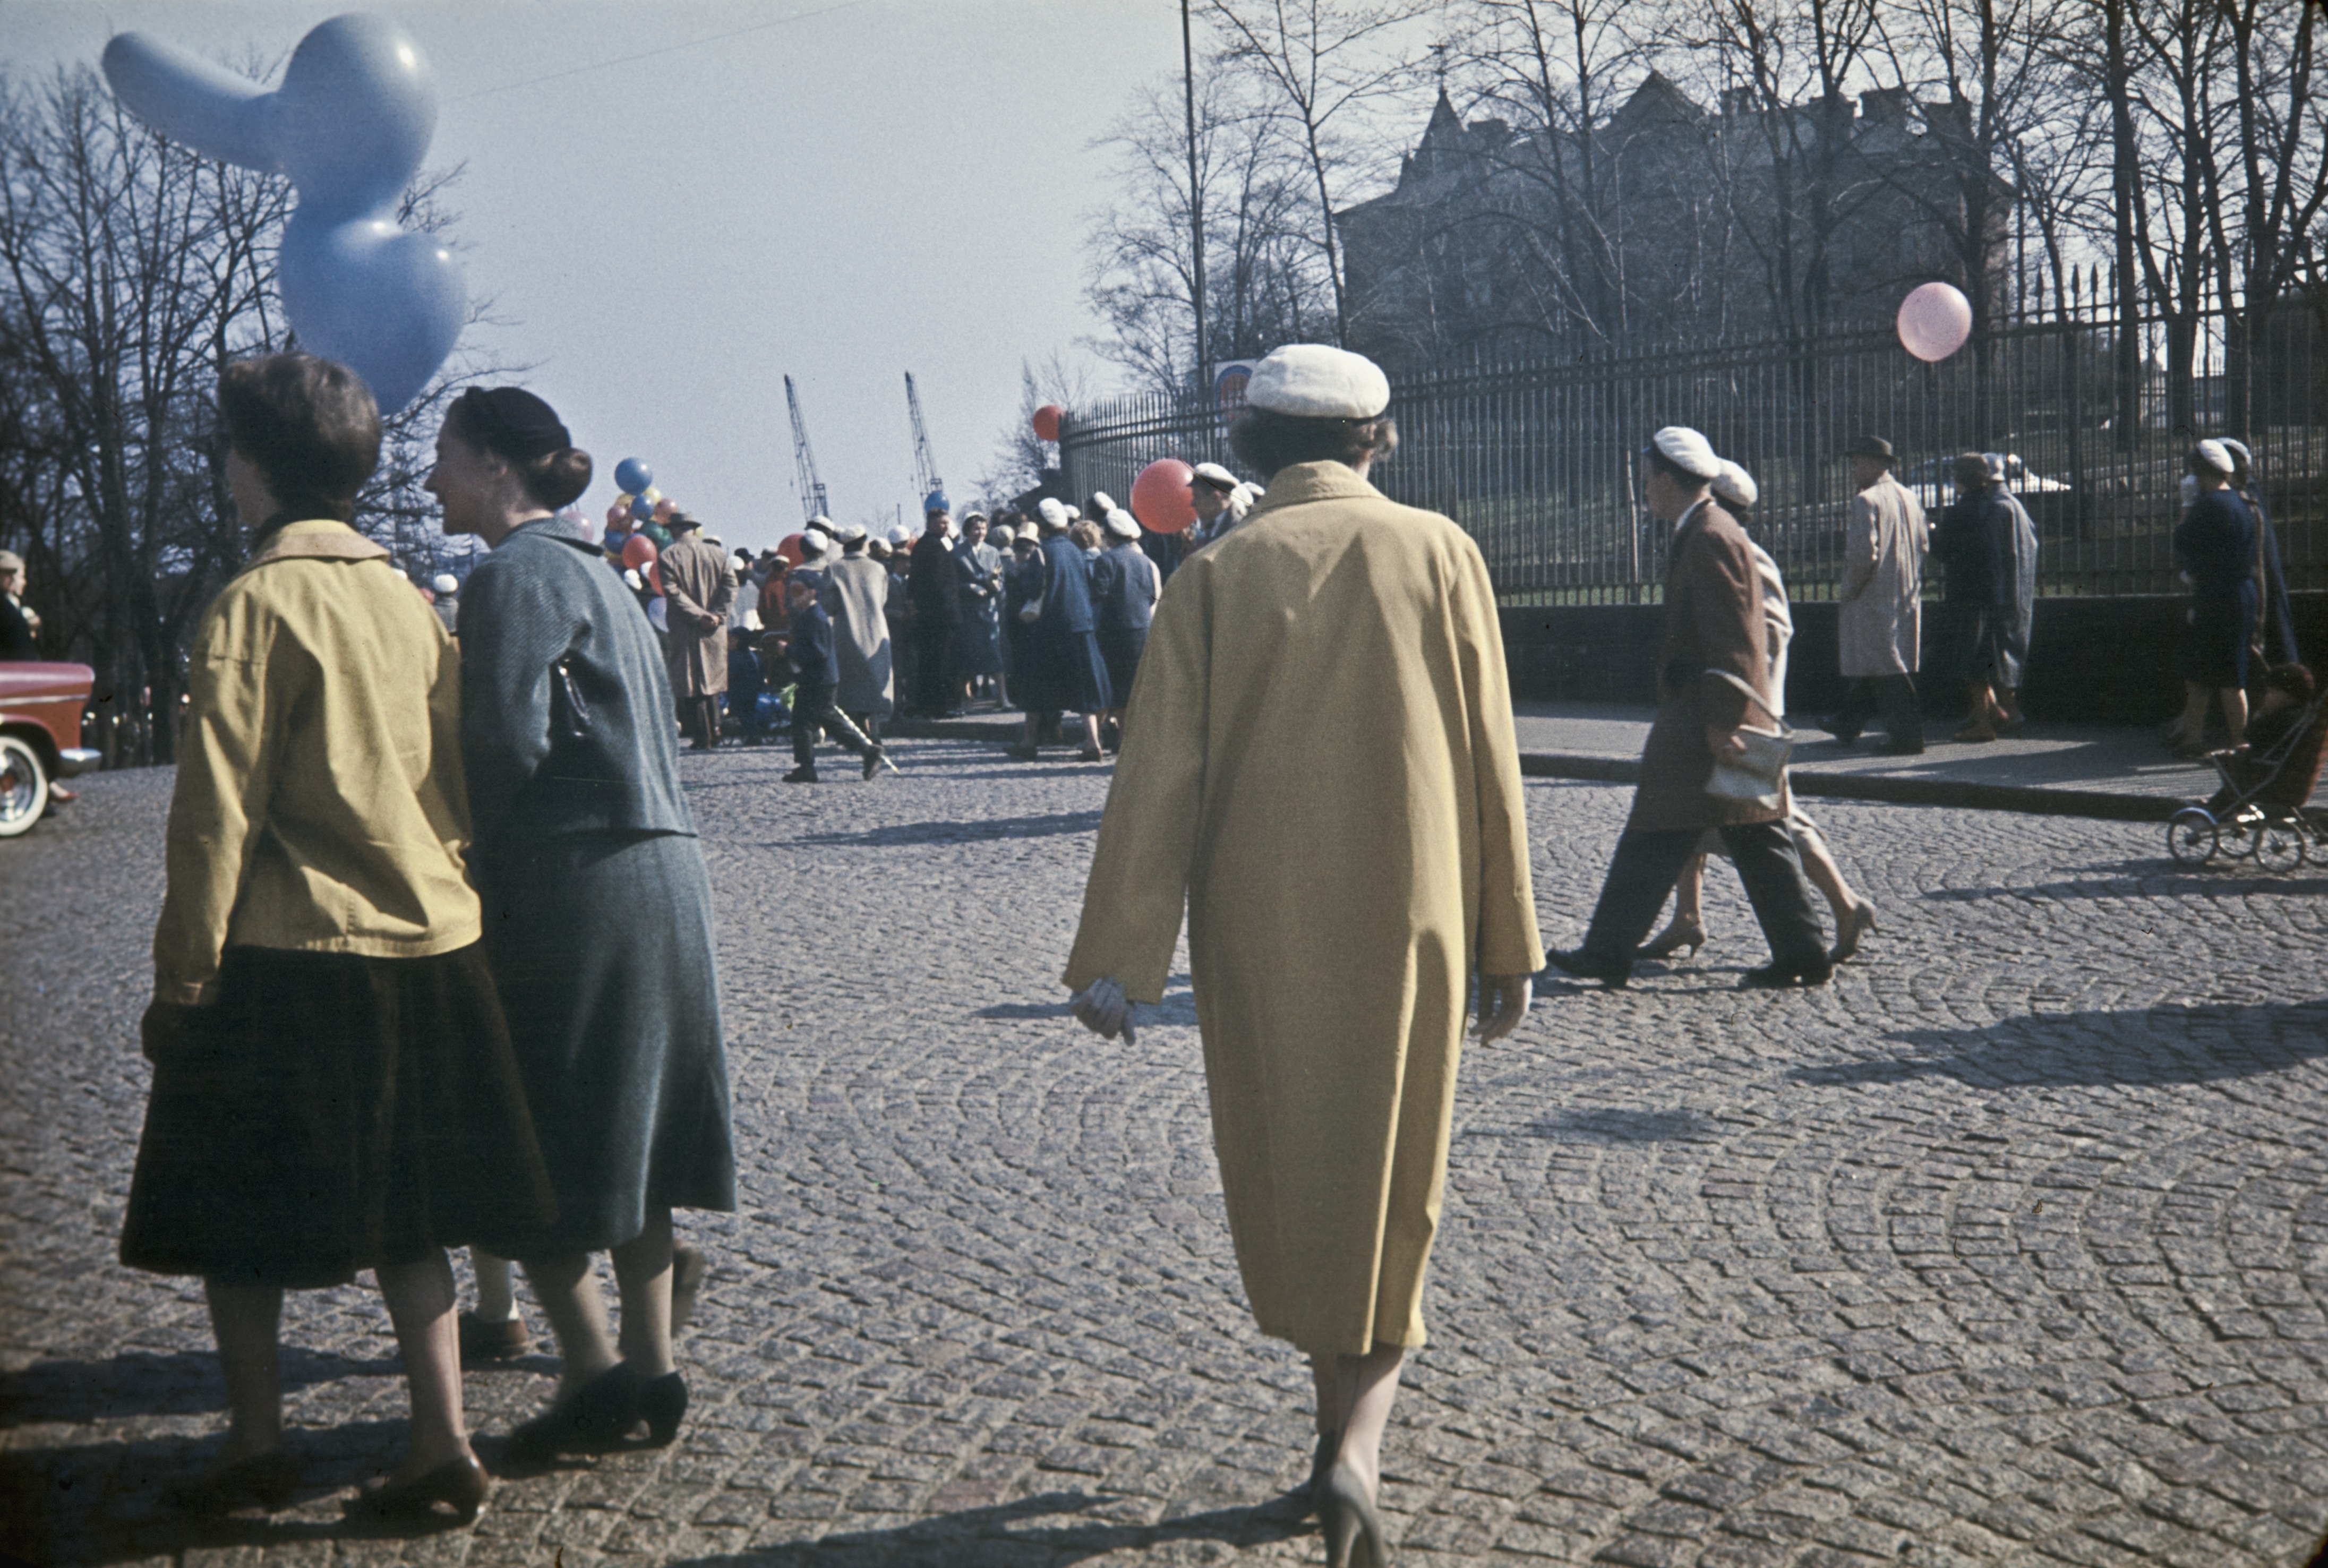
(2008, 1248)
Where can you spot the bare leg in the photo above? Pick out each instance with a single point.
(1369, 1384)
(1687, 926)
(496, 1297)
(420, 1302)
(2234, 713)
(2008, 705)
(1091, 732)
(245, 1321)
(568, 1290)
(1826, 875)
(643, 1278)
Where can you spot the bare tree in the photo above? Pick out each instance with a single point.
(1019, 457)
(1329, 63)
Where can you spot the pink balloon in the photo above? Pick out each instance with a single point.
(1161, 498)
(1935, 320)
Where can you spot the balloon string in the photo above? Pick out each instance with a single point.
(652, 53)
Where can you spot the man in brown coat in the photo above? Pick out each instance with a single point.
(699, 584)
(1714, 641)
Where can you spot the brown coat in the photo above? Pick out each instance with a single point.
(1319, 762)
(1713, 620)
(699, 580)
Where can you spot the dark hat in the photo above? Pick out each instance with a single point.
(1869, 447)
(680, 522)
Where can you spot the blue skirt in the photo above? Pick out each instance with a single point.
(1063, 670)
(2215, 643)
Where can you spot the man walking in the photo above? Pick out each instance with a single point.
(856, 594)
(1713, 679)
(935, 587)
(816, 673)
(698, 586)
(1879, 614)
(1989, 548)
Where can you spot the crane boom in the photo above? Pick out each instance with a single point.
(925, 467)
(811, 488)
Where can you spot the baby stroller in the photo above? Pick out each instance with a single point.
(2262, 813)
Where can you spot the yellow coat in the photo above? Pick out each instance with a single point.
(1318, 758)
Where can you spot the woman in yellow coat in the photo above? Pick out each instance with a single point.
(1318, 760)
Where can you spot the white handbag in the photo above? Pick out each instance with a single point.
(1758, 775)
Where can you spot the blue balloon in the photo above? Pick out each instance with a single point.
(633, 475)
(641, 508)
(349, 126)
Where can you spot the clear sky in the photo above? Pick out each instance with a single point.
(851, 190)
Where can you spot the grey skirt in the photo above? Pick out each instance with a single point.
(601, 946)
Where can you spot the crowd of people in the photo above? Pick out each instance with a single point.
(392, 1016)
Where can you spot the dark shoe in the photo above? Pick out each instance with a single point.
(454, 1490)
(1354, 1531)
(1582, 964)
(1024, 753)
(266, 1479)
(662, 1404)
(592, 1421)
(1901, 748)
(801, 775)
(687, 1269)
(482, 1341)
(1784, 977)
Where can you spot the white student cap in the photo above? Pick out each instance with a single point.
(1314, 382)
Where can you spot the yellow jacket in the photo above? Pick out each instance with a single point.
(319, 805)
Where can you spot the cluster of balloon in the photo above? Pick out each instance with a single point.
(349, 126)
(1161, 498)
(639, 554)
(1935, 320)
(1047, 421)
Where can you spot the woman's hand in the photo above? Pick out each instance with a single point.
(1102, 1008)
(163, 1032)
(1503, 1003)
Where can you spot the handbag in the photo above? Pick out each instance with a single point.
(1032, 610)
(1758, 775)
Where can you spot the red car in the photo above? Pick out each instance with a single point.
(39, 736)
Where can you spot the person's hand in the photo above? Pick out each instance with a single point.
(1723, 742)
(1503, 1003)
(165, 1027)
(1101, 1006)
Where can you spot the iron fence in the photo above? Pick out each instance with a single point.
(1535, 459)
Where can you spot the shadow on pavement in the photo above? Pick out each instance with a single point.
(2157, 880)
(1613, 1125)
(980, 1537)
(956, 833)
(152, 1383)
(2193, 1044)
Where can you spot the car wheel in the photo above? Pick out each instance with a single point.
(23, 787)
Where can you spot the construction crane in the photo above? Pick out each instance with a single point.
(811, 488)
(925, 467)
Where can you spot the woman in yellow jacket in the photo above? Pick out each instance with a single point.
(333, 1088)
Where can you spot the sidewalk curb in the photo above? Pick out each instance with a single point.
(1961, 794)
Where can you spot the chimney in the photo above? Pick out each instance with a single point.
(1884, 106)
(1737, 101)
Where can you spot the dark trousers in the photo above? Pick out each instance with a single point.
(813, 710)
(1895, 695)
(1648, 862)
(933, 683)
(702, 717)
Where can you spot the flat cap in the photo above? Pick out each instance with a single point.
(1053, 511)
(1123, 524)
(2214, 455)
(1218, 477)
(1315, 381)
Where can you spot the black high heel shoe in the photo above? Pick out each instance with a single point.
(266, 1480)
(458, 1485)
(592, 1421)
(662, 1404)
(1350, 1520)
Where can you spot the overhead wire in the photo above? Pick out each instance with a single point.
(667, 49)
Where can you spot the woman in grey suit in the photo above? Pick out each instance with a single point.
(598, 910)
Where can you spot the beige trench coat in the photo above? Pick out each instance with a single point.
(1319, 759)
(698, 579)
(1880, 621)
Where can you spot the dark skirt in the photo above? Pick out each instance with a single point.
(601, 945)
(1063, 670)
(977, 645)
(1118, 647)
(330, 1114)
(2215, 641)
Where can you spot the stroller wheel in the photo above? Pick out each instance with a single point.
(2279, 845)
(2190, 836)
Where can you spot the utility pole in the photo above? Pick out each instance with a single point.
(1196, 191)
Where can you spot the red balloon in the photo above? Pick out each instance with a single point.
(639, 552)
(1161, 498)
(792, 550)
(1047, 421)
(654, 574)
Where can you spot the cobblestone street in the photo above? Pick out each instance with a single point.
(2010, 1247)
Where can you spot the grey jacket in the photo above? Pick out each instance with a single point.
(539, 765)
